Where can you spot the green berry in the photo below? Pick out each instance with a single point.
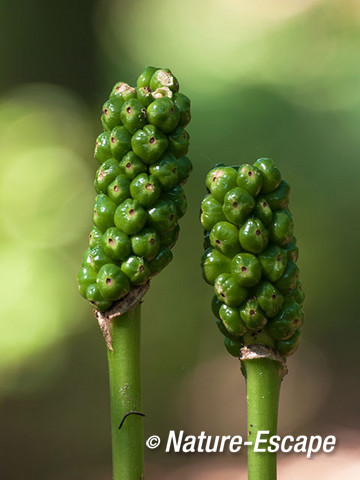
(169, 238)
(149, 144)
(229, 291)
(104, 210)
(233, 346)
(296, 295)
(269, 298)
(215, 305)
(279, 198)
(286, 322)
(105, 174)
(290, 345)
(273, 262)
(164, 114)
(224, 236)
(177, 195)
(246, 269)
(86, 277)
(162, 216)
(102, 147)
(183, 104)
(120, 142)
(144, 79)
(96, 258)
(94, 237)
(137, 269)
(164, 78)
(270, 173)
(116, 243)
(292, 250)
(144, 96)
(281, 228)
(113, 283)
(231, 319)
(133, 115)
(222, 328)
(260, 336)
(119, 189)
(213, 264)
(111, 112)
(252, 315)
(146, 243)
(165, 170)
(179, 141)
(162, 259)
(263, 211)
(130, 216)
(131, 165)
(253, 236)
(145, 189)
(184, 168)
(250, 179)
(211, 212)
(220, 180)
(123, 91)
(238, 204)
(96, 299)
(289, 279)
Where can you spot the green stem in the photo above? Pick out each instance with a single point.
(125, 396)
(263, 380)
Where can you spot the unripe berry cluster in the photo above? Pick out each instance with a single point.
(143, 167)
(250, 257)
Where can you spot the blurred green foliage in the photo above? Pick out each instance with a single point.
(276, 79)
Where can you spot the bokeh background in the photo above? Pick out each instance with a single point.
(279, 79)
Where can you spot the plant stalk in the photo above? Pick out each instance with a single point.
(125, 396)
(263, 379)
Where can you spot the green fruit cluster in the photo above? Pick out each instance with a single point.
(143, 167)
(250, 257)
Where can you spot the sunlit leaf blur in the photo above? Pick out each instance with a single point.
(279, 79)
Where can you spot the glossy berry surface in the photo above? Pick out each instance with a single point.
(142, 168)
(250, 257)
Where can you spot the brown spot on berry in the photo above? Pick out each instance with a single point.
(131, 211)
(111, 241)
(258, 232)
(217, 242)
(128, 110)
(149, 187)
(141, 268)
(222, 295)
(152, 241)
(174, 170)
(108, 281)
(295, 320)
(264, 204)
(278, 258)
(273, 296)
(252, 312)
(250, 174)
(152, 140)
(116, 188)
(171, 217)
(243, 269)
(106, 111)
(235, 204)
(171, 111)
(112, 139)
